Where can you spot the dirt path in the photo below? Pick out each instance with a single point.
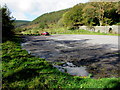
(98, 53)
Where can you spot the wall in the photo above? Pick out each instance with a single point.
(105, 29)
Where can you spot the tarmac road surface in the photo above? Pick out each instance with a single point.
(98, 53)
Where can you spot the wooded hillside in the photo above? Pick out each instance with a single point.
(90, 14)
(93, 13)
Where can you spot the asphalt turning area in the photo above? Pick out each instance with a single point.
(79, 54)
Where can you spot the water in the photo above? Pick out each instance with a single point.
(72, 69)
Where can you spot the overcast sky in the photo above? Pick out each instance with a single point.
(31, 9)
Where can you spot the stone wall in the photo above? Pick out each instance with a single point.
(105, 29)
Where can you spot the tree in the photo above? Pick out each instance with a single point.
(74, 16)
(100, 13)
(7, 22)
(89, 17)
(113, 14)
(100, 10)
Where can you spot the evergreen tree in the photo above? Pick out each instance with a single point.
(7, 22)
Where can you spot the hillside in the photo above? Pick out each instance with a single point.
(106, 13)
(21, 22)
(46, 19)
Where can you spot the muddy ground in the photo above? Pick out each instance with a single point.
(98, 54)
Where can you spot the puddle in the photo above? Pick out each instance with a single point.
(77, 71)
(72, 69)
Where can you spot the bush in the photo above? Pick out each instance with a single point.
(73, 28)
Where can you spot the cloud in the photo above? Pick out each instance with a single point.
(20, 16)
(30, 9)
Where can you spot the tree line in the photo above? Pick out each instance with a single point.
(92, 14)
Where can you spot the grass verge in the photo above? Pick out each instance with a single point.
(65, 31)
(21, 70)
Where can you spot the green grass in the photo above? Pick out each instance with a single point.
(65, 31)
(85, 32)
(21, 70)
